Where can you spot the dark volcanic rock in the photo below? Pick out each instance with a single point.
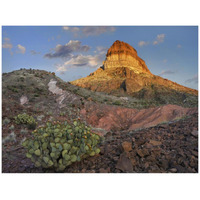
(124, 163)
(142, 152)
(127, 146)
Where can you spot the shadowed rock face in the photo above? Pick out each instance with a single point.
(124, 71)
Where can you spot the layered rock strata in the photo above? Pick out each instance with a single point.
(124, 71)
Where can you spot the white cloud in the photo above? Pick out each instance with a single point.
(97, 30)
(7, 44)
(61, 68)
(194, 79)
(66, 28)
(101, 50)
(164, 72)
(21, 49)
(159, 39)
(142, 43)
(92, 61)
(81, 60)
(89, 30)
(72, 29)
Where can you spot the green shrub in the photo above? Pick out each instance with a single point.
(62, 114)
(58, 145)
(36, 95)
(117, 103)
(12, 88)
(26, 119)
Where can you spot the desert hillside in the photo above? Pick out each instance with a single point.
(137, 135)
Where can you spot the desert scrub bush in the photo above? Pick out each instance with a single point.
(36, 95)
(58, 145)
(49, 113)
(75, 91)
(9, 138)
(6, 121)
(12, 88)
(62, 114)
(21, 79)
(12, 127)
(117, 103)
(23, 131)
(26, 119)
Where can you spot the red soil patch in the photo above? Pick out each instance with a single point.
(119, 118)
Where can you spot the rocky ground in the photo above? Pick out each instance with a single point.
(166, 148)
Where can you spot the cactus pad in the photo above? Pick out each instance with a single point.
(58, 145)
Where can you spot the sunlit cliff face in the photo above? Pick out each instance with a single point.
(124, 70)
(121, 54)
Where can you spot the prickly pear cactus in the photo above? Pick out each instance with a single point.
(58, 145)
(26, 119)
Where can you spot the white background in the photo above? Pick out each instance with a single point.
(99, 186)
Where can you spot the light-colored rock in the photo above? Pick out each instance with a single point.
(124, 98)
(194, 133)
(62, 96)
(23, 100)
(53, 88)
(173, 170)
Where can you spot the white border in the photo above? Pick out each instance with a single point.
(99, 186)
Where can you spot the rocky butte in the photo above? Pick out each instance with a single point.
(125, 73)
(122, 54)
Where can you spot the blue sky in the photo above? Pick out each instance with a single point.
(73, 52)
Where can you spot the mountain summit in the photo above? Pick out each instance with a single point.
(125, 73)
(121, 54)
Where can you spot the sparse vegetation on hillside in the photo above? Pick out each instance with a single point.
(27, 91)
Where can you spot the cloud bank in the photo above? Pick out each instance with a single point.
(92, 61)
(159, 39)
(7, 44)
(65, 51)
(142, 43)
